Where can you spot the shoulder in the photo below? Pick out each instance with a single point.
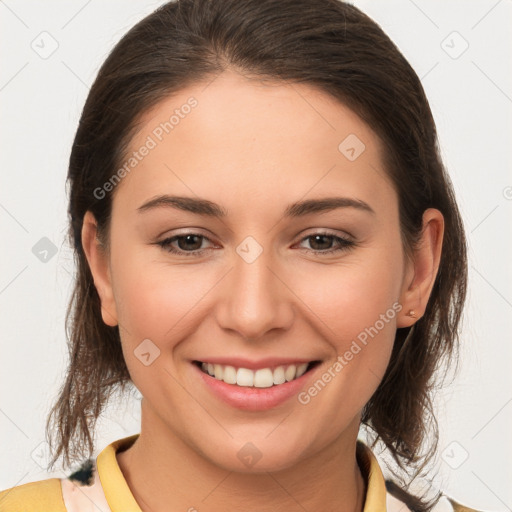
(74, 492)
(78, 490)
(385, 494)
(41, 496)
(399, 500)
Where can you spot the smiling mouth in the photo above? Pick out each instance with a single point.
(260, 378)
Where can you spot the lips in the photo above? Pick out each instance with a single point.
(251, 388)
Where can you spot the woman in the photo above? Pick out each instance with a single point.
(291, 145)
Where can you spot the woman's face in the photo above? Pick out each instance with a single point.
(265, 275)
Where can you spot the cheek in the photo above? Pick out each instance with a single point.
(154, 300)
(155, 303)
(355, 309)
(351, 298)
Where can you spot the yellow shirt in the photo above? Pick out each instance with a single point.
(110, 492)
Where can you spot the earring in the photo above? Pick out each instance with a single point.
(412, 313)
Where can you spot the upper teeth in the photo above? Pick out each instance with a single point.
(262, 378)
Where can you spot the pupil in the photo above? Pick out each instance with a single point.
(315, 239)
(188, 239)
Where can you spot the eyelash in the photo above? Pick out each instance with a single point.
(344, 244)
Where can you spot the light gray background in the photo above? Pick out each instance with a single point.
(470, 93)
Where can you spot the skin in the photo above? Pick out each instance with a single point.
(254, 148)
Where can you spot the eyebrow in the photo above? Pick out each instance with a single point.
(299, 209)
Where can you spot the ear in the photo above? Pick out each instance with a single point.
(97, 258)
(422, 269)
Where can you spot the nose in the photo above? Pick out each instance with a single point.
(256, 299)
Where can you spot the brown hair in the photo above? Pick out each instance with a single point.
(326, 44)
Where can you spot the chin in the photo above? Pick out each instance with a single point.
(258, 455)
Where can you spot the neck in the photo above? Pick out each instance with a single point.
(164, 473)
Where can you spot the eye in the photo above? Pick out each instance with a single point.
(322, 243)
(189, 244)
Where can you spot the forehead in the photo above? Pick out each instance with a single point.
(237, 138)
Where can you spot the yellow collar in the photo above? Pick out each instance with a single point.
(120, 498)
(375, 484)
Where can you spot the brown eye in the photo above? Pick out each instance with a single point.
(322, 243)
(188, 244)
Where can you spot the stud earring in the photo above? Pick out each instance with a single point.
(412, 313)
